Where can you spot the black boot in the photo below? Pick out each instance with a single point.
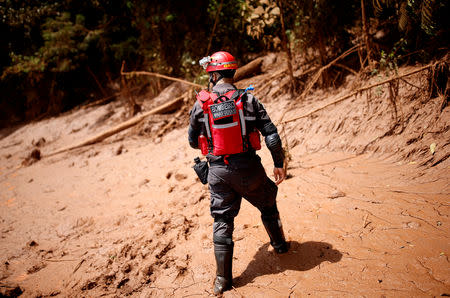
(224, 260)
(274, 228)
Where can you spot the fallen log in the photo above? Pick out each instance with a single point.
(248, 69)
(170, 106)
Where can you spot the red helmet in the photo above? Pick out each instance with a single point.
(219, 61)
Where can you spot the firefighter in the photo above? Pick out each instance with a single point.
(225, 124)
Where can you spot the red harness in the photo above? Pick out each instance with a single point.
(226, 131)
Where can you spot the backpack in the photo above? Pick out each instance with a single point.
(226, 131)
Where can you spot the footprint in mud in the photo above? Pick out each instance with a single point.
(165, 250)
(4, 270)
(36, 267)
(180, 177)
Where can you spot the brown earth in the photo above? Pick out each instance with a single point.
(366, 206)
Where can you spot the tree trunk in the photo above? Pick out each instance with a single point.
(287, 49)
(365, 24)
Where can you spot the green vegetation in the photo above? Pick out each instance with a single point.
(55, 55)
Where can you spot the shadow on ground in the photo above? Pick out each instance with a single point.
(301, 257)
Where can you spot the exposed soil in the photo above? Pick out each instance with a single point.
(366, 206)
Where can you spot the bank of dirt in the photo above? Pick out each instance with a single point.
(365, 207)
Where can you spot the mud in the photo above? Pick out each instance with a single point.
(366, 212)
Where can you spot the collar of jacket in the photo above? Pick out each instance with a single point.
(223, 88)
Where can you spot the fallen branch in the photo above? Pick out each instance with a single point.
(269, 81)
(346, 68)
(127, 124)
(153, 74)
(342, 98)
(60, 260)
(171, 123)
(100, 101)
(321, 70)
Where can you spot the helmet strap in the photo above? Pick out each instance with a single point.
(211, 78)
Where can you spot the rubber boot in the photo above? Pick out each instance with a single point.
(224, 260)
(275, 230)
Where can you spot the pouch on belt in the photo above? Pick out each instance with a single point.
(201, 169)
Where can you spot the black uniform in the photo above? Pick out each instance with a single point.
(242, 175)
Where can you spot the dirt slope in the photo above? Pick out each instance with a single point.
(366, 211)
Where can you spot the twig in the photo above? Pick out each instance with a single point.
(293, 286)
(365, 220)
(430, 272)
(78, 266)
(408, 83)
(421, 219)
(375, 215)
(342, 98)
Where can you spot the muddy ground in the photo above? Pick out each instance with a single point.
(366, 211)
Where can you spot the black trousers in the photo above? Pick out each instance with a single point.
(243, 177)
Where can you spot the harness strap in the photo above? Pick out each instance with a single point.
(242, 118)
(206, 120)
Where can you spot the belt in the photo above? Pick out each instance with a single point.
(225, 159)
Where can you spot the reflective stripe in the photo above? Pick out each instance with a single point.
(250, 118)
(221, 63)
(205, 119)
(220, 126)
(241, 117)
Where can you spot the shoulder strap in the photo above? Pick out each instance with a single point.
(203, 97)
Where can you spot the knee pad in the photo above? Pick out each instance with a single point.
(223, 240)
(223, 230)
